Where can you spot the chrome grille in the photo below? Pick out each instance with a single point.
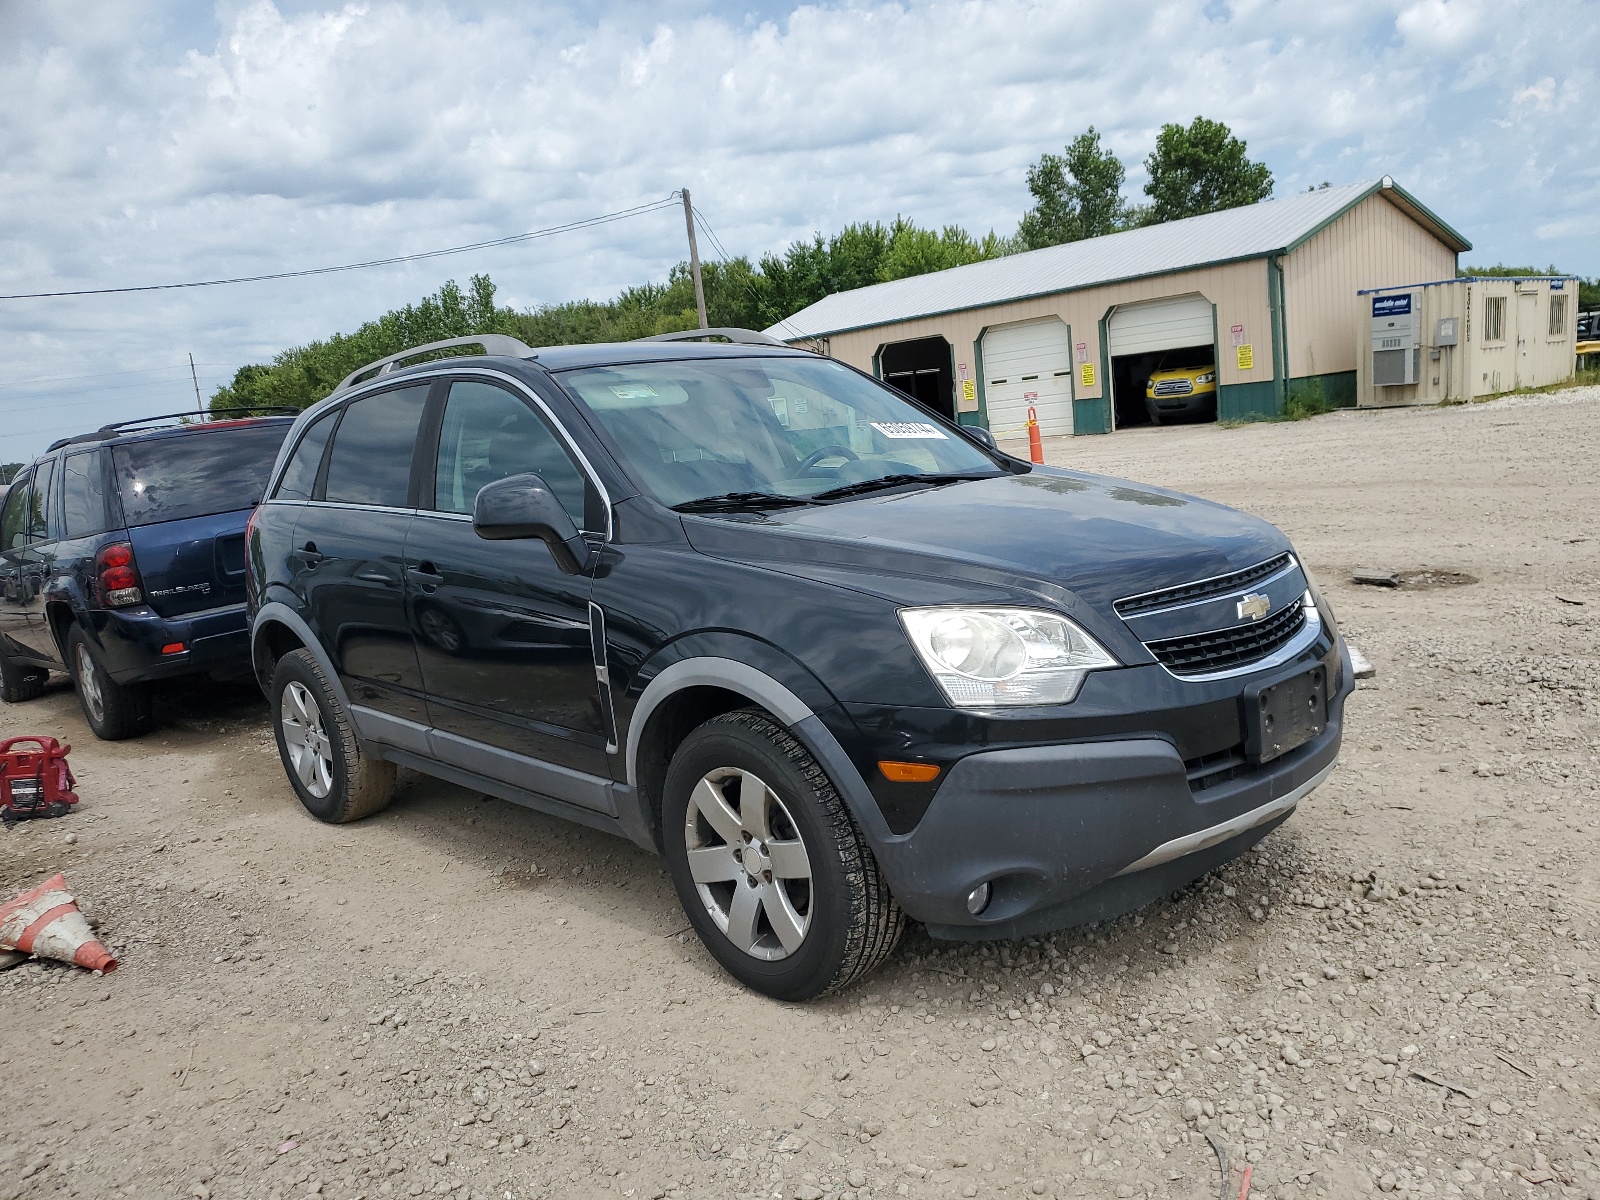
(1173, 387)
(1222, 649)
(1202, 589)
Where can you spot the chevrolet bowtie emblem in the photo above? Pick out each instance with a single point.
(1254, 606)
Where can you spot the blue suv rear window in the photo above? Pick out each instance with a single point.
(196, 474)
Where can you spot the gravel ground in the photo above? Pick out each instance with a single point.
(1395, 992)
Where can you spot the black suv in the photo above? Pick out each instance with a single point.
(838, 660)
(122, 561)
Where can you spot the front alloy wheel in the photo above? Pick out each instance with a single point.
(769, 864)
(748, 863)
(305, 740)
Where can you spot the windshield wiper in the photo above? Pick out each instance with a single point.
(740, 502)
(889, 481)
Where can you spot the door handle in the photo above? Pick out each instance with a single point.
(426, 575)
(309, 554)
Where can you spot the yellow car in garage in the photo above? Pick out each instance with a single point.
(1181, 392)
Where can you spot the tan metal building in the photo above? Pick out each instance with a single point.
(1264, 292)
(1455, 339)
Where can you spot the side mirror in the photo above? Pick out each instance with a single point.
(519, 507)
(979, 433)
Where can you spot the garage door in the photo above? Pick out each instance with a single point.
(1029, 364)
(1160, 325)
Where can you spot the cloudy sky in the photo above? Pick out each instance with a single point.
(152, 143)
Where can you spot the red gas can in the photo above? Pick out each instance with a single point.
(35, 783)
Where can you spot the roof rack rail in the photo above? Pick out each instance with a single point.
(232, 413)
(492, 343)
(740, 337)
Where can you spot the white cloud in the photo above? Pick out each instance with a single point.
(148, 147)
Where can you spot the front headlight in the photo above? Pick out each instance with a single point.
(1208, 377)
(987, 657)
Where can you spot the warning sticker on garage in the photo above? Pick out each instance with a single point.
(969, 389)
(1247, 357)
(1086, 375)
(1238, 334)
(909, 430)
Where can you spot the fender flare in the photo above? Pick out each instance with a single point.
(777, 699)
(282, 614)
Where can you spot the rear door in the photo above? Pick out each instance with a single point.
(13, 549)
(38, 563)
(346, 563)
(503, 636)
(185, 499)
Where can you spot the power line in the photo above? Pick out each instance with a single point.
(99, 375)
(716, 244)
(571, 226)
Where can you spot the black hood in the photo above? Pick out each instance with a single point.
(1099, 538)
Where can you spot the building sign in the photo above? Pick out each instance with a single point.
(967, 392)
(1086, 375)
(1246, 356)
(1391, 306)
(1083, 352)
(1558, 285)
(1238, 335)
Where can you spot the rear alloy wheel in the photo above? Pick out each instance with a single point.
(335, 781)
(770, 866)
(114, 710)
(20, 684)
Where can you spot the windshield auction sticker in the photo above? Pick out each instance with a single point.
(909, 430)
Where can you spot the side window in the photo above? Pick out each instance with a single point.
(490, 433)
(371, 458)
(300, 476)
(1558, 316)
(14, 517)
(39, 513)
(83, 500)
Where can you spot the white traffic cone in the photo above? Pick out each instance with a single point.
(46, 923)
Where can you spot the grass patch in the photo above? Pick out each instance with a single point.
(1590, 377)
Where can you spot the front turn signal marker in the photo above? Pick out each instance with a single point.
(908, 772)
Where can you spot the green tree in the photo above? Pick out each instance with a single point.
(916, 251)
(1201, 168)
(302, 375)
(808, 271)
(1076, 195)
(8, 471)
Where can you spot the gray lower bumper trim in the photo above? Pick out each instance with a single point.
(1189, 843)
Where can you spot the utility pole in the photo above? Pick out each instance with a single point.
(694, 262)
(199, 404)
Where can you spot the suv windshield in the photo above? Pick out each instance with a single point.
(196, 474)
(773, 429)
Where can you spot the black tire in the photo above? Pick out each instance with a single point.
(852, 920)
(354, 785)
(20, 684)
(113, 710)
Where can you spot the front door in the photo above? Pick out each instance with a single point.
(349, 547)
(1527, 331)
(501, 633)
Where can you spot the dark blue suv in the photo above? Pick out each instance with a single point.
(122, 562)
(839, 661)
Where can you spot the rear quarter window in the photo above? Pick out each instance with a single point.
(196, 474)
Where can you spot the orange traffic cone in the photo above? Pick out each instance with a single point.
(45, 922)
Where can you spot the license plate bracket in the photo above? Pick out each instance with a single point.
(1282, 716)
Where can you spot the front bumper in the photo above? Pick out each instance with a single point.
(1069, 834)
(131, 639)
